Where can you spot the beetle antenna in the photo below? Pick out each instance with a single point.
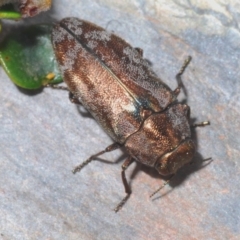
(179, 75)
(201, 124)
(162, 186)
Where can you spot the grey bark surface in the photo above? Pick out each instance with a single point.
(43, 136)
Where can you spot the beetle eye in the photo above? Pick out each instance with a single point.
(162, 164)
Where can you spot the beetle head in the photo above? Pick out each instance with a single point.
(170, 162)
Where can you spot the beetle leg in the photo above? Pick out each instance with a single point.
(74, 99)
(110, 148)
(201, 124)
(179, 75)
(128, 191)
(55, 86)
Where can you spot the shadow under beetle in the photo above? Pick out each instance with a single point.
(115, 84)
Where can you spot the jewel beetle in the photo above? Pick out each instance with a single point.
(115, 84)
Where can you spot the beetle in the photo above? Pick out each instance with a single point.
(115, 84)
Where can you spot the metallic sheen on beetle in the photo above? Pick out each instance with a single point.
(115, 84)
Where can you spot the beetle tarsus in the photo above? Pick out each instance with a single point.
(110, 148)
(120, 205)
(79, 167)
(179, 75)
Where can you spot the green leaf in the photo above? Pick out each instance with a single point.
(8, 12)
(10, 15)
(28, 57)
